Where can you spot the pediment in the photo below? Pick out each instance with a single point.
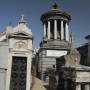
(20, 34)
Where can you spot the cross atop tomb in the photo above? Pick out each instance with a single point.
(22, 20)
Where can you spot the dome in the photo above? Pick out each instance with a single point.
(55, 12)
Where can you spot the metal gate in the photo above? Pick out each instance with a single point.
(18, 73)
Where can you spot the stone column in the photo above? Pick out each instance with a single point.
(67, 31)
(78, 87)
(62, 31)
(44, 32)
(48, 29)
(87, 87)
(65, 85)
(55, 29)
(42, 75)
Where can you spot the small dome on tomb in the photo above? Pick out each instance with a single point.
(54, 12)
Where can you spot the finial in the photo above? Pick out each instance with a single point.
(22, 20)
(55, 6)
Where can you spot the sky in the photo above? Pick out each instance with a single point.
(11, 11)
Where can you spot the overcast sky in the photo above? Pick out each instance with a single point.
(11, 10)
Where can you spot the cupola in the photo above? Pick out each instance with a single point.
(56, 26)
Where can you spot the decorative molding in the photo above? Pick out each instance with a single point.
(20, 46)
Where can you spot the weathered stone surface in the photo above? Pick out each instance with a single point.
(37, 84)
